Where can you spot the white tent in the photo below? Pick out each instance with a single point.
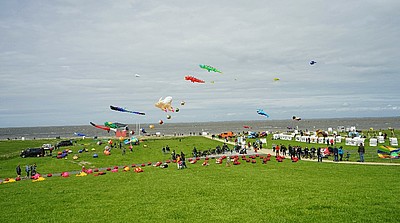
(373, 142)
(393, 142)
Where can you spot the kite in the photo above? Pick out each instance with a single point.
(209, 68)
(103, 127)
(247, 127)
(151, 126)
(176, 109)
(115, 125)
(143, 130)
(168, 117)
(161, 122)
(296, 118)
(79, 134)
(386, 152)
(137, 75)
(312, 62)
(262, 112)
(115, 108)
(165, 104)
(276, 79)
(183, 102)
(193, 79)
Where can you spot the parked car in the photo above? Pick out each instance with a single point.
(226, 134)
(32, 152)
(64, 143)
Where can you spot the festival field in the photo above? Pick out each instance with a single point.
(249, 192)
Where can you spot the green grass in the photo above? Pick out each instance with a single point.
(275, 192)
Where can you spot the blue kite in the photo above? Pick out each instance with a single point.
(262, 112)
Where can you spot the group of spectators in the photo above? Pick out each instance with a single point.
(31, 170)
(312, 153)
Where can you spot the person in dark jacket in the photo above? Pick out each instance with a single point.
(18, 169)
(336, 154)
(361, 151)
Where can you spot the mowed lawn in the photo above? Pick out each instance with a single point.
(272, 192)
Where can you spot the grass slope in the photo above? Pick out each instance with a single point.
(276, 192)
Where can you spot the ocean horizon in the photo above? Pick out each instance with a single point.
(195, 128)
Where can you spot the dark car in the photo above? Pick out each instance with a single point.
(32, 152)
(64, 143)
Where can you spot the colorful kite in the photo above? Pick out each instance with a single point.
(115, 125)
(387, 152)
(165, 104)
(209, 68)
(193, 79)
(103, 127)
(262, 112)
(115, 108)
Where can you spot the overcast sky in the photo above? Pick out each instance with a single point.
(66, 62)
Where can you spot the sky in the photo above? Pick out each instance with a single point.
(66, 62)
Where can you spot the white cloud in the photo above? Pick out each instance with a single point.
(73, 59)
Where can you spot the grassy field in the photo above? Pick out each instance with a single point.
(275, 192)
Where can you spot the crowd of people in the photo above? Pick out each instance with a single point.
(30, 170)
(311, 153)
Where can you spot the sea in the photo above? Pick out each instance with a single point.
(196, 128)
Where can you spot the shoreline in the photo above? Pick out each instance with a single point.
(214, 122)
(198, 128)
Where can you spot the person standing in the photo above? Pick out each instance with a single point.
(228, 161)
(319, 154)
(178, 161)
(27, 170)
(299, 152)
(277, 148)
(33, 170)
(361, 152)
(18, 169)
(336, 154)
(183, 159)
(341, 153)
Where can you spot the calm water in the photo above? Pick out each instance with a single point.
(211, 127)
